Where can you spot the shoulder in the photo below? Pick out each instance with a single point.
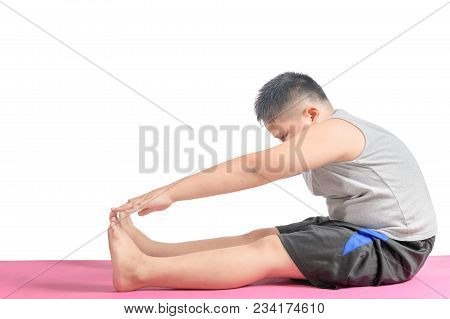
(344, 137)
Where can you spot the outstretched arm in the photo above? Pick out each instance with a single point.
(318, 145)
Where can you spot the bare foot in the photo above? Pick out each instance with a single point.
(127, 260)
(125, 221)
(145, 244)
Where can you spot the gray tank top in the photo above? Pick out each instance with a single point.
(382, 189)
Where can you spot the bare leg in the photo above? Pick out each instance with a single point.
(160, 249)
(223, 268)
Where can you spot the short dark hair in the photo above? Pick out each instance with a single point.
(275, 96)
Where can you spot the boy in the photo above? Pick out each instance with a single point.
(381, 225)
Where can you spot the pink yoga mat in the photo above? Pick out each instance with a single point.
(85, 279)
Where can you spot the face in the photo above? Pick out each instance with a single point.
(291, 122)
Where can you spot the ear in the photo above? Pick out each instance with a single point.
(312, 113)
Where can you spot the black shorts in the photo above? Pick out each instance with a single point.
(334, 254)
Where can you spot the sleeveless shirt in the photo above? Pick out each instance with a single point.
(382, 189)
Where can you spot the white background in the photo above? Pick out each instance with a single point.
(69, 133)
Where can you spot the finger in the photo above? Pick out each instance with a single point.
(134, 204)
(142, 204)
(127, 205)
(122, 207)
(134, 198)
(139, 203)
(115, 209)
(129, 211)
(145, 211)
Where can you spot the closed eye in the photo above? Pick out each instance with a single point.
(284, 137)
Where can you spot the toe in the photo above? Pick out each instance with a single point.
(111, 235)
(112, 214)
(115, 229)
(125, 219)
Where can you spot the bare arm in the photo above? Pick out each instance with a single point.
(323, 143)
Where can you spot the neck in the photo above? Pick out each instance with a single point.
(326, 114)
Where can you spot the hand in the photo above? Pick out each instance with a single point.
(156, 200)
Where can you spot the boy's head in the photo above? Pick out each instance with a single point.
(290, 102)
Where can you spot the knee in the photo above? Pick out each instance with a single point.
(270, 243)
(276, 259)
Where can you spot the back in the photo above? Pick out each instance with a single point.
(382, 189)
